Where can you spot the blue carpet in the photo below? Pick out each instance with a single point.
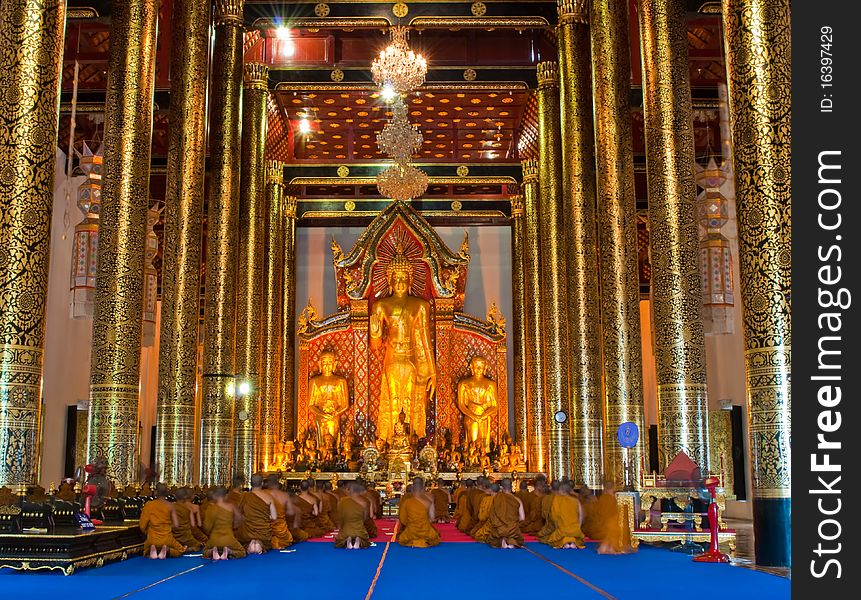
(669, 574)
(449, 570)
(453, 569)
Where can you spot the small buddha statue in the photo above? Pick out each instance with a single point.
(400, 443)
(328, 397)
(312, 454)
(515, 460)
(299, 448)
(477, 400)
(330, 450)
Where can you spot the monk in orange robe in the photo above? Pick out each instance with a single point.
(187, 515)
(546, 502)
(236, 490)
(258, 511)
(158, 518)
(219, 521)
(350, 518)
(284, 511)
(309, 508)
(506, 514)
(371, 499)
(481, 531)
(415, 516)
(566, 515)
(464, 520)
(441, 502)
(615, 539)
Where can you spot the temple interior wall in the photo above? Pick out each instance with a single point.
(67, 341)
(488, 278)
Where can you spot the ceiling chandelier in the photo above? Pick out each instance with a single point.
(400, 70)
(399, 139)
(402, 181)
(398, 66)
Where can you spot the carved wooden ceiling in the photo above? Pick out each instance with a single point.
(486, 117)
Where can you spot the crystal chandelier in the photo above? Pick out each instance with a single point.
(398, 66)
(402, 181)
(399, 139)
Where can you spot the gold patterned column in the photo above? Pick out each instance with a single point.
(286, 387)
(757, 39)
(537, 418)
(680, 353)
(250, 292)
(270, 377)
(521, 349)
(180, 313)
(554, 301)
(216, 423)
(617, 235)
(118, 307)
(31, 47)
(578, 185)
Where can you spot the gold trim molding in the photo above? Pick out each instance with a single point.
(326, 23)
(82, 12)
(328, 214)
(444, 180)
(449, 86)
(489, 23)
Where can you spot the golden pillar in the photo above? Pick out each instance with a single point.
(680, 353)
(578, 185)
(177, 356)
(270, 377)
(757, 39)
(537, 418)
(287, 385)
(118, 307)
(554, 301)
(249, 293)
(216, 423)
(31, 47)
(617, 235)
(521, 349)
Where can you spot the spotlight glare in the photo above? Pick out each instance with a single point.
(304, 126)
(388, 92)
(282, 33)
(244, 388)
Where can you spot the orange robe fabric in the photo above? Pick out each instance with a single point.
(504, 521)
(548, 526)
(256, 525)
(481, 531)
(416, 529)
(532, 509)
(565, 514)
(218, 525)
(156, 523)
(350, 518)
(310, 523)
(184, 534)
(281, 536)
(440, 505)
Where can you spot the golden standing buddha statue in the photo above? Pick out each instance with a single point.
(476, 399)
(328, 398)
(401, 324)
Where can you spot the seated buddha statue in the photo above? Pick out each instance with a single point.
(329, 450)
(400, 442)
(516, 463)
(328, 397)
(477, 400)
(299, 448)
(312, 454)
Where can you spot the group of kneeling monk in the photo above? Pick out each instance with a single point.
(233, 523)
(556, 514)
